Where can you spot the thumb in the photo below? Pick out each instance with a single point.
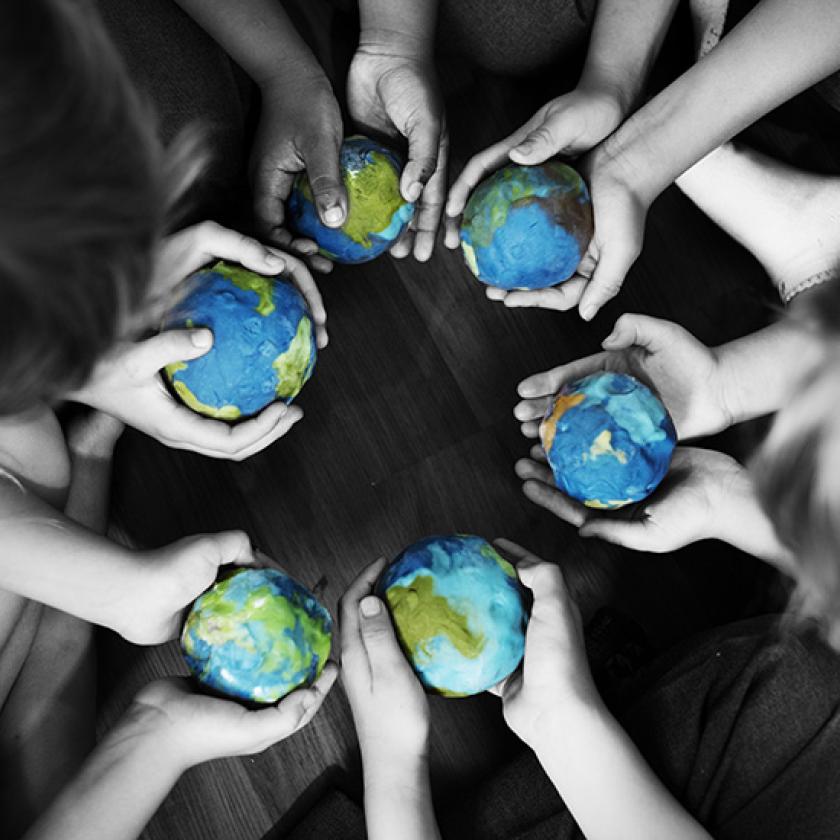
(324, 174)
(607, 279)
(423, 148)
(232, 547)
(383, 650)
(542, 142)
(632, 330)
(168, 347)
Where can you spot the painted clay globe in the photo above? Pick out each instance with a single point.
(257, 635)
(263, 342)
(458, 610)
(608, 440)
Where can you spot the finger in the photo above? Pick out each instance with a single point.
(613, 264)
(168, 347)
(402, 247)
(282, 426)
(529, 470)
(538, 454)
(515, 551)
(627, 533)
(550, 381)
(231, 547)
(378, 636)
(530, 429)
(313, 697)
(552, 135)
(559, 298)
(451, 232)
(271, 189)
(632, 330)
(215, 241)
(431, 204)
(349, 604)
(424, 139)
(302, 278)
(540, 493)
(324, 173)
(532, 409)
(545, 580)
(495, 294)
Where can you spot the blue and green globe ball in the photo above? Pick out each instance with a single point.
(263, 342)
(257, 635)
(459, 613)
(608, 440)
(376, 214)
(527, 227)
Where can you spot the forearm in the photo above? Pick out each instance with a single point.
(755, 68)
(398, 798)
(625, 40)
(760, 371)
(409, 23)
(49, 558)
(117, 791)
(257, 35)
(605, 782)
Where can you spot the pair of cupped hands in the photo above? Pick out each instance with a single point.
(389, 705)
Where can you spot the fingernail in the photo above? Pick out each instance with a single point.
(588, 313)
(201, 338)
(274, 260)
(610, 339)
(334, 216)
(413, 191)
(370, 606)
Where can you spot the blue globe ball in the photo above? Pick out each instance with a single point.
(527, 227)
(458, 610)
(376, 214)
(257, 635)
(608, 440)
(263, 342)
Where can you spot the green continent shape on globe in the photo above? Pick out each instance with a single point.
(490, 553)
(294, 365)
(248, 281)
(420, 615)
(373, 195)
(225, 412)
(218, 620)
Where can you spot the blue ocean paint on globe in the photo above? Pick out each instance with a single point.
(263, 342)
(527, 227)
(376, 215)
(608, 440)
(257, 635)
(459, 613)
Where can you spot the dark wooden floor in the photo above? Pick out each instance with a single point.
(409, 432)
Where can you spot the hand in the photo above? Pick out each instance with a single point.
(300, 129)
(698, 499)
(554, 673)
(389, 705)
(392, 90)
(190, 728)
(569, 125)
(684, 373)
(149, 609)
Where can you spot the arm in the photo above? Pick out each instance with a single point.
(300, 121)
(553, 705)
(165, 731)
(391, 716)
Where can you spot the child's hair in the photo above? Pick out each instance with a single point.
(84, 190)
(797, 472)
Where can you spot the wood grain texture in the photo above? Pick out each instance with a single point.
(408, 431)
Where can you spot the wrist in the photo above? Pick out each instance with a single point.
(601, 81)
(285, 78)
(396, 43)
(566, 722)
(403, 774)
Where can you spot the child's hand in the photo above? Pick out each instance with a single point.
(191, 728)
(698, 499)
(300, 129)
(184, 252)
(149, 608)
(569, 125)
(392, 90)
(554, 673)
(389, 706)
(127, 385)
(684, 372)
